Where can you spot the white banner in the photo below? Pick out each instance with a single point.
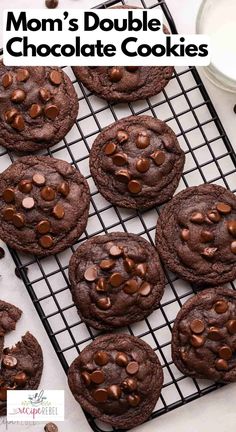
(107, 37)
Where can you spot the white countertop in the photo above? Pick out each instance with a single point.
(215, 411)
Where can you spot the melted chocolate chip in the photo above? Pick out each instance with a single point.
(18, 220)
(8, 213)
(22, 75)
(10, 115)
(134, 186)
(115, 251)
(143, 140)
(145, 289)
(214, 334)
(214, 216)
(18, 123)
(101, 358)
(64, 189)
(100, 395)
(223, 208)
(114, 392)
(39, 179)
(115, 74)
(185, 234)
(121, 359)
(107, 264)
(25, 186)
(48, 194)
(132, 368)
(55, 77)
(197, 341)
(43, 227)
(28, 203)
(97, 377)
(86, 378)
(142, 165)
(231, 225)
(91, 274)
(104, 303)
(131, 286)
(134, 400)
(122, 136)
(231, 326)
(158, 157)
(58, 211)
(110, 149)
(9, 362)
(233, 247)
(197, 218)
(129, 265)
(129, 384)
(221, 306)
(221, 364)
(51, 112)
(20, 378)
(18, 96)
(116, 279)
(123, 175)
(102, 285)
(45, 94)
(7, 80)
(197, 326)
(35, 111)
(141, 269)
(46, 241)
(225, 352)
(9, 195)
(120, 159)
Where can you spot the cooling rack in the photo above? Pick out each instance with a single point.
(185, 105)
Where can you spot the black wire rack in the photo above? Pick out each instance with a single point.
(185, 105)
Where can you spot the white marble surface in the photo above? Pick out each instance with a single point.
(215, 411)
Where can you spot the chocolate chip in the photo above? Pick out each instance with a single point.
(131, 286)
(209, 252)
(231, 326)
(158, 157)
(110, 149)
(122, 136)
(18, 273)
(101, 358)
(132, 368)
(35, 111)
(48, 194)
(143, 140)
(206, 236)
(45, 94)
(121, 359)
(197, 326)
(197, 341)
(20, 378)
(55, 77)
(223, 208)
(115, 251)
(9, 361)
(185, 234)
(22, 75)
(43, 227)
(86, 378)
(7, 80)
(231, 225)
(10, 115)
(18, 96)
(91, 274)
(233, 247)
(114, 392)
(51, 112)
(107, 264)
(25, 186)
(102, 285)
(18, 220)
(214, 216)
(115, 74)
(129, 265)
(134, 400)
(197, 218)
(145, 289)
(123, 175)
(225, 352)
(64, 189)
(214, 334)
(8, 195)
(116, 280)
(120, 159)
(104, 303)
(134, 186)
(8, 213)
(97, 377)
(2, 253)
(100, 395)
(221, 306)
(58, 211)
(129, 384)
(18, 123)
(221, 364)
(132, 68)
(28, 203)
(141, 269)
(39, 179)
(51, 427)
(142, 165)
(46, 241)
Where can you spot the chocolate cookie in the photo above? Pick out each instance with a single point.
(204, 336)
(38, 107)
(9, 315)
(116, 279)
(44, 205)
(196, 235)
(117, 379)
(21, 368)
(137, 162)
